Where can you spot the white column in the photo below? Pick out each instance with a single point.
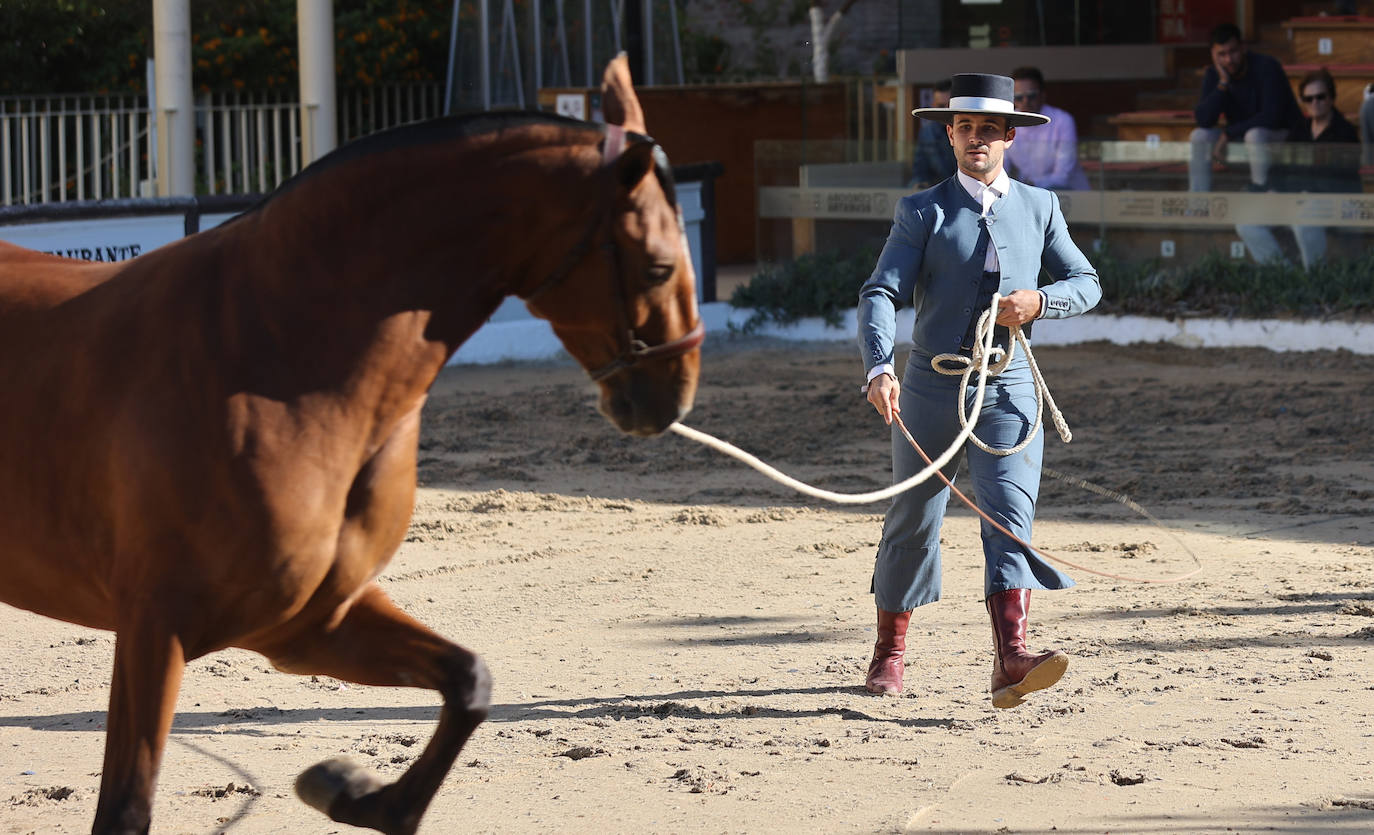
(176, 115)
(319, 110)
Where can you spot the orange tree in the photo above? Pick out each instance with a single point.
(242, 44)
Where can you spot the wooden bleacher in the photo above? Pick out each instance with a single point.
(1162, 125)
(1325, 39)
(1343, 44)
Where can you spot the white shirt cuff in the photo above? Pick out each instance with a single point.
(1044, 304)
(884, 368)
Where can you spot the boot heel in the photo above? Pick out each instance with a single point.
(1043, 675)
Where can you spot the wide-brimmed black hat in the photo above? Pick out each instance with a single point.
(983, 93)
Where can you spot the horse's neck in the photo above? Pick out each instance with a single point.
(390, 262)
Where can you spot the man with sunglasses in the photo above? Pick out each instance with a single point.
(1252, 91)
(1044, 155)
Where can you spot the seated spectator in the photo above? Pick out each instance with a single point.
(1327, 159)
(934, 157)
(1044, 155)
(1252, 91)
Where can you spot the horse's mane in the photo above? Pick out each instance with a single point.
(443, 129)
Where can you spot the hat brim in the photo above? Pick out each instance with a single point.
(1015, 119)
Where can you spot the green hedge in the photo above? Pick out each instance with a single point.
(827, 285)
(824, 285)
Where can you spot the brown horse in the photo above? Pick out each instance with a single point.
(214, 445)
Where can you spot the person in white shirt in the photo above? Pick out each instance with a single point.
(1044, 155)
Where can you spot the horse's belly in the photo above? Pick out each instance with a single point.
(37, 585)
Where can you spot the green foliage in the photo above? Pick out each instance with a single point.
(824, 285)
(98, 46)
(1216, 285)
(71, 46)
(828, 284)
(251, 44)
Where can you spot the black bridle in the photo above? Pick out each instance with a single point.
(633, 350)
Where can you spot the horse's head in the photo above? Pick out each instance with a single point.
(624, 304)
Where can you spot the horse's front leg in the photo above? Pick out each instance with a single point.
(378, 644)
(148, 665)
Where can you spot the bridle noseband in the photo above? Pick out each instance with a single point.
(633, 350)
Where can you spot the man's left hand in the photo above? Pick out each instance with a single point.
(1018, 308)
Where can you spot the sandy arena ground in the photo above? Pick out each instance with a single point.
(678, 645)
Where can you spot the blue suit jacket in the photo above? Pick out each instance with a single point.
(934, 256)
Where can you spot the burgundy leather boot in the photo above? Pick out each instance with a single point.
(885, 670)
(1015, 671)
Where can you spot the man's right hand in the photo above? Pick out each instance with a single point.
(1223, 77)
(883, 393)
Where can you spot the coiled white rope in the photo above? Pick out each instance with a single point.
(982, 351)
(964, 366)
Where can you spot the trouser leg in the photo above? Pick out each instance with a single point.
(1007, 487)
(1261, 145)
(906, 572)
(1201, 141)
(1261, 243)
(1311, 243)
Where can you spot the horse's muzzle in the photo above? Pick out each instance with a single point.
(646, 401)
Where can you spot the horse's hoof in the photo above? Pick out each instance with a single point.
(323, 784)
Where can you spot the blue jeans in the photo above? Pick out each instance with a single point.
(1257, 148)
(906, 573)
(1264, 247)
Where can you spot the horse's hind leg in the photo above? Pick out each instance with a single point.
(148, 666)
(376, 643)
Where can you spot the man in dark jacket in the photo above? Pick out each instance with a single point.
(1252, 91)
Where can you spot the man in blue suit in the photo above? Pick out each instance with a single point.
(950, 249)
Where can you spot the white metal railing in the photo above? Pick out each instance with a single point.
(246, 146)
(56, 148)
(365, 110)
(81, 147)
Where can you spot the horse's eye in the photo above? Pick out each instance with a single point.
(659, 273)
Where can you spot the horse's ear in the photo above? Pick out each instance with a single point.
(619, 104)
(634, 163)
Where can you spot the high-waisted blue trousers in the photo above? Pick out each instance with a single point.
(906, 573)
